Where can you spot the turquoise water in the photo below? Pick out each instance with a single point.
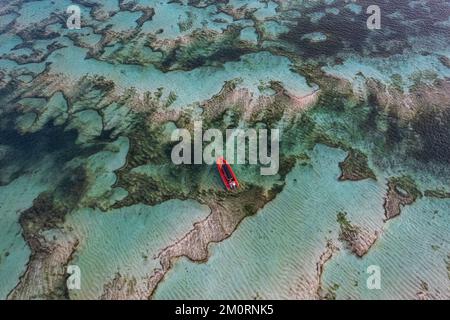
(268, 11)
(109, 5)
(273, 254)
(123, 21)
(257, 262)
(15, 198)
(355, 8)
(6, 19)
(408, 66)
(249, 34)
(382, 69)
(169, 17)
(127, 240)
(411, 250)
(273, 29)
(251, 69)
(37, 11)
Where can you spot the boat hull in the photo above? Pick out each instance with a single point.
(226, 174)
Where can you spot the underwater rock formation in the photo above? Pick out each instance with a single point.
(51, 250)
(358, 239)
(355, 167)
(402, 191)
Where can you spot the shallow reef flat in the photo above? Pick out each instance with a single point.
(126, 241)
(86, 176)
(261, 264)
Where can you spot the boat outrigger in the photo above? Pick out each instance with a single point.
(226, 173)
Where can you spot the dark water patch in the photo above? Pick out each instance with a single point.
(348, 31)
(393, 133)
(47, 140)
(433, 128)
(373, 114)
(25, 150)
(345, 30)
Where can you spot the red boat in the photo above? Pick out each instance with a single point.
(226, 173)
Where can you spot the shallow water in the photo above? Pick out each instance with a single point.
(259, 263)
(14, 198)
(412, 250)
(252, 69)
(127, 240)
